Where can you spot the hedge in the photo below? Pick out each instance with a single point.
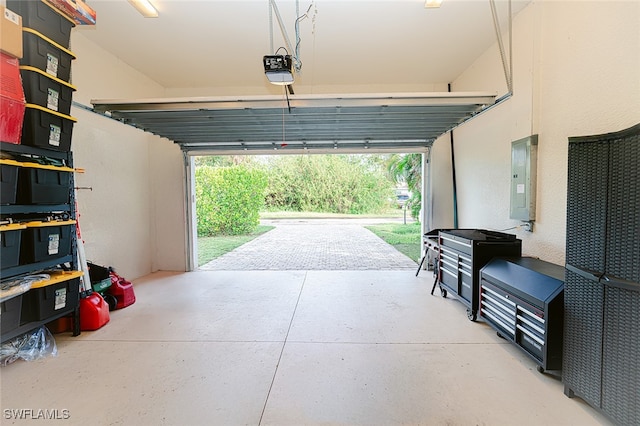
(228, 199)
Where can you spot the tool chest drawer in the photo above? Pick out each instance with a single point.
(496, 306)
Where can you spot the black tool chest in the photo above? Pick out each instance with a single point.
(522, 299)
(463, 252)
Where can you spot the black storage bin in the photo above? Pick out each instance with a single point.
(47, 129)
(43, 18)
(45, 241)
(100, 277)
(10, 311)
(44, 302)
(43, 186)
(8, 183)
(46, 91)
(40, 53)
(10, 238)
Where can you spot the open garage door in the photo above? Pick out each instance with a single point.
(300, 123)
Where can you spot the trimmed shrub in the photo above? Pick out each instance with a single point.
(228, 199)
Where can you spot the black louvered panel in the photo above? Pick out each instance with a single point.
(601, 360)
(582, 349)
(621, 357)
(586, 204)
(623, 212)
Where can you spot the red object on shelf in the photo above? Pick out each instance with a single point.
(77, 10)
(94, 312)
(122, 290)
(11, 100)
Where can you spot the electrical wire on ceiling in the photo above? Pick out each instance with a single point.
(295, 52)
(297, 64)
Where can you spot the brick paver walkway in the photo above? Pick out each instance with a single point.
(309, 246)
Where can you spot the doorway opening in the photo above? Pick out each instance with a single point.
(315, 196)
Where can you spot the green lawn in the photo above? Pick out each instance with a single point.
(211, 247)
(405, 238)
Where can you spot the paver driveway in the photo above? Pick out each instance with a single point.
(314, 245)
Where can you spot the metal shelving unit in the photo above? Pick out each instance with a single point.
(18, 212)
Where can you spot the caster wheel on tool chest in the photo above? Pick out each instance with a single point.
(472, 315)
(443, 292)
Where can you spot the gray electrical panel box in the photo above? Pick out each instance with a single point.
(524, 158)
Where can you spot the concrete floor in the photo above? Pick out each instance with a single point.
(290, 348)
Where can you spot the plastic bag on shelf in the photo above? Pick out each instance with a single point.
(16, 286)
(36, 344)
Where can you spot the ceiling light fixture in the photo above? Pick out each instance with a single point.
(145, 8)
(432, 3)
(277, 68)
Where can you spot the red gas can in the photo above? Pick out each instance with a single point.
(122, 290)
(94, 312)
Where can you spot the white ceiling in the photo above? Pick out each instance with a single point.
(396, 54)
(370, 44)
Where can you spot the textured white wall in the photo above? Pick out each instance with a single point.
(131, 219)
(167, 174)
(576, 72)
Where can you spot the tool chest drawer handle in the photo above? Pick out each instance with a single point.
(501, 297)
(497, 302)
(455, 241)
(531, 324)
(448, 251)
(530, 334)
(450, 273)
(497, 321)
(449, 258)
(508, 320)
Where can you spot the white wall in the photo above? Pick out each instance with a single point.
(132, 218)
(576, 72)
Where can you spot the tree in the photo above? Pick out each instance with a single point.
(407, 168)
(328, 184)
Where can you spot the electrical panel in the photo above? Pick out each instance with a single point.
(524, 158)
